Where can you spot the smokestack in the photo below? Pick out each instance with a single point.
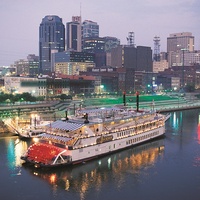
(137, 100)
(66, 115)
(124, 98)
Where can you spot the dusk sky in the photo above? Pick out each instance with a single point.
(20, 20)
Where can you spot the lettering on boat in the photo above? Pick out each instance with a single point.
(103, 139)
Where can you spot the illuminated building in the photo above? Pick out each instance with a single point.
(51, 37)
(159, 66)
(96, 45)
(73, 34)
(90, 29)
(47, 86)
(71, 62)
(27, 67)
(178, 41)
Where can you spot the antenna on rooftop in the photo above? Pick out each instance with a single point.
(131, 39)
(156, 55)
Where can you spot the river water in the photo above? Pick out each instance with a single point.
(165, 168)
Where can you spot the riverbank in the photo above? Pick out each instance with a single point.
(5, 131)
(9, 134)
(162, 104)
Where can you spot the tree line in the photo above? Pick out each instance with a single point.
(27, 97)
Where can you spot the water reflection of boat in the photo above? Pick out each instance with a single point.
(93, 133)
(112, 168)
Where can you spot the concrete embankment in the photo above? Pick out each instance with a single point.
(173, 109)
(158, 106)
(180, 104)
(5, 131)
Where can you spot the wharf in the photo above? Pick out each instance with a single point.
(58, 109)
(186, 103)
(178, 108)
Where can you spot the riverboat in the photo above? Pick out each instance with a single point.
(33, 132)
(30, 133)
(93, 133)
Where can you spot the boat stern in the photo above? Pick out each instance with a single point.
(46, 155)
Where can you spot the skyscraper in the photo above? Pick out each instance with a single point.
(139, 58)
(96, 45)
(51, 38)
(177, 45)
(90, 29)
(73, 34)
(180, 41)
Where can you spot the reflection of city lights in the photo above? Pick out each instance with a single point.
(53, 178)
(20, 149)
(35, 173)
(161, 148)
(197, 162)
(198, 130)
(198, 133)
(85, 177)
(92, 173)
(109, 162)
(175, 120)
(11, 154)
(67, 185)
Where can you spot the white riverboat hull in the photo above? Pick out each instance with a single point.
(81, 142)
(88, 153)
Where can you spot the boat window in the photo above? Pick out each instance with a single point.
(143, 126)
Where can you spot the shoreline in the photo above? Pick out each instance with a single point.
(3, 135)
(178, 108)
(159, 107)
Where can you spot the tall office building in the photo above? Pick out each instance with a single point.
(110, 43)
(73, 34)
(27, 67)
(139, 58)
(71, 62)
(51, 38)
(96, 45)
(90, 29)
(136, 61)
(180, 41)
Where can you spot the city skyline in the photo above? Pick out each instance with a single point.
(20, 21)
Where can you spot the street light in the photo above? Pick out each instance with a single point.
(101, 88)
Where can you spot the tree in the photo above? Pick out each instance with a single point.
(190, 87)
(64, 97)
